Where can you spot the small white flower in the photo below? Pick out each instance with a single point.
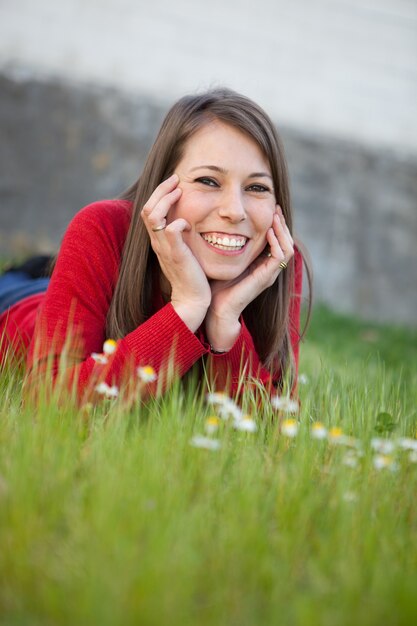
(226, 407)
(109, 346)
(212, 424)
(107, 391)
(284, 403)
(199, 441)
(289, 428)
(217, 398)
(102, 388)
(146, 374)
(247, 424)
(113, 392)
(383, 461)
(99, 358)
(406, 443)
(318, 431)
(335, 434)
(303, 379)
(231, 410)
(384, 446)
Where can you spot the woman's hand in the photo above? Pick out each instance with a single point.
(230, 298)
(190, 290)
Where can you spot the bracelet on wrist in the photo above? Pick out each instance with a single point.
(214, 351)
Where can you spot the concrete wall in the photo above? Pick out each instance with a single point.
(344, 68)
(84, 85)
(65, 146)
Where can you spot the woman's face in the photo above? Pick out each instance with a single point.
(227, 198)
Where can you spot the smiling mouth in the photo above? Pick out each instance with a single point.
(224, 242)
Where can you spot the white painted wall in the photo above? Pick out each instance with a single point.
(346, 68)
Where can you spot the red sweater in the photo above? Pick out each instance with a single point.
(79, 296)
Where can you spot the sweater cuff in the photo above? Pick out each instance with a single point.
(164, 337)
(242, 357)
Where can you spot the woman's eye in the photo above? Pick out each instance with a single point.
(207, 181)
(258, 188)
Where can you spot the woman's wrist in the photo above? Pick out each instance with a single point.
(191, 316)
(221, 333)
(214, 351)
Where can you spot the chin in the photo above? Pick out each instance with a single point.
(226, 273)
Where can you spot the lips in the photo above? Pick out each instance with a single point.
(225, 242)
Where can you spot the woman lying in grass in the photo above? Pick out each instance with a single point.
(194, 265)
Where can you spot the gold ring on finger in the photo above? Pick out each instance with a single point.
(160, 227)
(283, 265)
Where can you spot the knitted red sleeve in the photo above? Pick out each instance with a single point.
(77, 302)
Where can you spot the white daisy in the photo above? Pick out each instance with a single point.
(406, 443)
(337, 436)
(318, 430)
(99, 358)
(247, 424)
(105, 390)
(384, 446)
(146, 374)
(289, 428)
(199, 441)
(212, 424)
(225, 406)
(383, 461)
(284, 403)
(109, 346)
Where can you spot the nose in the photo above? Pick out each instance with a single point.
(232, 206)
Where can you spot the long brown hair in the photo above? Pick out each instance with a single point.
(267, 316)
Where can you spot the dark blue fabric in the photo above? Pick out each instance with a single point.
(15, 286)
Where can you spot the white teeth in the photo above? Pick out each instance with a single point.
(225, 243)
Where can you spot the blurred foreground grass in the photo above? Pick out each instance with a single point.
(113, 518)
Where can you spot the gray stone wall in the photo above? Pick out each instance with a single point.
(63, 146)
(345, 68)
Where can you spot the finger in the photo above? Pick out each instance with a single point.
(284, 223)
(281, 253)
(178, 226)
(162, 190)
(277, 254)
(283, 236)
(174, 230)
(169, 241)
(156, 217)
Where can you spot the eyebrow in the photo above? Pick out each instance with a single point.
(222, 170)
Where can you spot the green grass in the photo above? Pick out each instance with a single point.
(113, 518)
